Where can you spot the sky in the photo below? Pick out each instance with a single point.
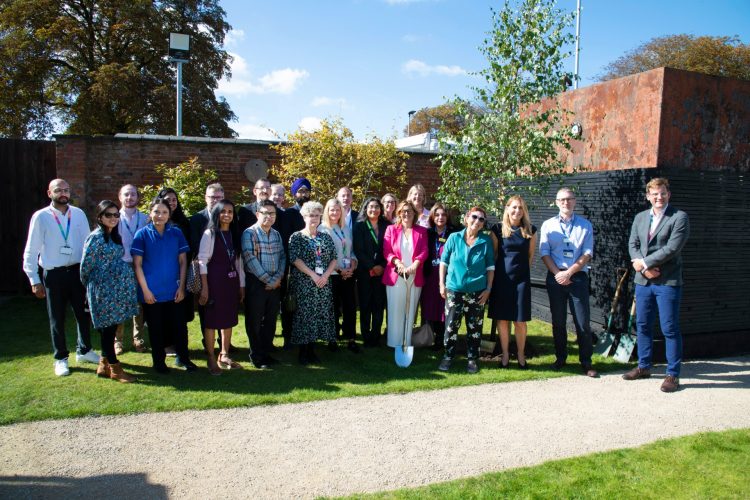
(370, 62)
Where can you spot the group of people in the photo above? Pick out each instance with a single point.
(310, 262)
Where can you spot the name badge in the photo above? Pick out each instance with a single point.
(568, 254)
(66, 250)
(435, 262)
(346, 262)
(232, 274)
(319, 270)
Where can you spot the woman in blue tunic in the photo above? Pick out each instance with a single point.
(110, 286)
(514, 241)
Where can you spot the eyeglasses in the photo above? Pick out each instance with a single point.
(405, 211)
(215, 198)
(303, 191)
(110, 215)
(477, 217)
(267, 214)
(563, 200)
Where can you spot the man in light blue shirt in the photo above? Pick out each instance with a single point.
(566, 245)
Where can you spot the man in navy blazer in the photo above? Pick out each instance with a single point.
(655, 246)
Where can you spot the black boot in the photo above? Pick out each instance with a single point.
(303, 358)
(311, 354)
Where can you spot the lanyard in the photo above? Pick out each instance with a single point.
(342, 238)
(229, 248)
(439, 242)
(59, 225)
(569, 226)
(131, 231)
(372, 232)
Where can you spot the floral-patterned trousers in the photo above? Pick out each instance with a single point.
(458, 305)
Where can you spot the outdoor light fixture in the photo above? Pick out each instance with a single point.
(576, 130)
(179, 53)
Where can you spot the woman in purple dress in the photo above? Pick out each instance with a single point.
(223, 282)
(433, 305)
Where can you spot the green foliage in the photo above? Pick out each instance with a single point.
(712, 55)
(100, 67)
(189, 179)
(330, 158)
(445, 118)
(707, 465)
(515, 144)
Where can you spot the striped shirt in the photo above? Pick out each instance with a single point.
(263, 253)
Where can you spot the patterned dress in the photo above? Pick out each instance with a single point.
(109, 281)
(314, 318)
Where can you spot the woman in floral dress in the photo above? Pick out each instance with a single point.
(313, 258)
(110, 286)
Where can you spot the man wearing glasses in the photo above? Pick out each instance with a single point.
(265, 262)
(566, 246)
(55, 243)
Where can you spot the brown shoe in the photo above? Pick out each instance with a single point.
(670, 384)
(637, 373)
(116, 373)
(103, 369)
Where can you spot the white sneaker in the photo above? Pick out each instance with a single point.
(89, 357)
(61, 367)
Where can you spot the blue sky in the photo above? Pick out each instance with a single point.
(372, 61)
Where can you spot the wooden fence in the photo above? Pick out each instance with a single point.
(26, 167)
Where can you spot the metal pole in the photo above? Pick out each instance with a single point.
(179, 98)
(578, 40)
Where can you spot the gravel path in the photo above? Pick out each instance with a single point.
(363, 444)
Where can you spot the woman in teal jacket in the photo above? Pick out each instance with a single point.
(467, 268)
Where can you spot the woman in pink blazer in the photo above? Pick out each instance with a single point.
(405, 251)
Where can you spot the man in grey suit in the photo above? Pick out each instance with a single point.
(655, 246)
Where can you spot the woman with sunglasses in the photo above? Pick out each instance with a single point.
(467, 268)
(405, 251)
(110, 286)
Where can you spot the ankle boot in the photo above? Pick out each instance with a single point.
(103, 370)
(116, 373)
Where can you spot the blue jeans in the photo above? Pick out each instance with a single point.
(576, 296)
(666, 299)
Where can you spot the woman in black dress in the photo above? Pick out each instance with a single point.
(514, 240)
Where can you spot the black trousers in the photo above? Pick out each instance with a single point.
(261, 311)
(287, 317)
(108, 343)
(166, 326)
(371, 306)
(345, 306)
(62, 286)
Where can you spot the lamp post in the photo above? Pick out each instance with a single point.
(408, 123)
(179, 53)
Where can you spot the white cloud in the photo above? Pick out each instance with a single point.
(280, 81)
(234, 37)
(328, 101)
(253, 131)
(423, 69)
(310, 124)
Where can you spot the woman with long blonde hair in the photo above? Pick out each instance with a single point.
(514, 242)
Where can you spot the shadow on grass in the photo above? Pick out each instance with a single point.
(111, 486)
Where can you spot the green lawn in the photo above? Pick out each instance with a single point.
(709, 465)
(31, 391)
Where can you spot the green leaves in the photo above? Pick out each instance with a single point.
(516, 145)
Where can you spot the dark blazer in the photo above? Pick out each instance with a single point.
(369, 254)
(432, 238)
(664, 249)
(198, 223)
(355, 216)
